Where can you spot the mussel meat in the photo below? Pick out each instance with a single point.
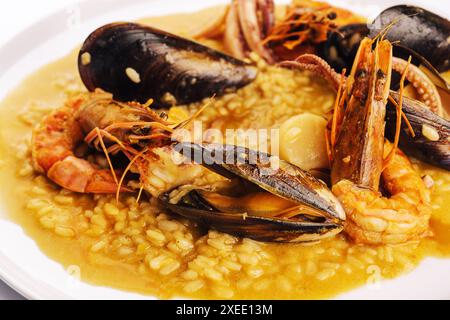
(135, 62)
(284, 204)
(341, 46)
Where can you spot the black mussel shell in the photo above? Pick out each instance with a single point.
(419, 30)
(436, 152)
(135, 62)
(342, 44)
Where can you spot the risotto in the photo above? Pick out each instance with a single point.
(140, 247)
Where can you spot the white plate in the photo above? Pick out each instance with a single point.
(25, 268)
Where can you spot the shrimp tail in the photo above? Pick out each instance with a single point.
(362, 159)
(79, 175)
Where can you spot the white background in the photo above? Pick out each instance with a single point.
(16, 16)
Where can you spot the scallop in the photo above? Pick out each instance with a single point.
(302, 141)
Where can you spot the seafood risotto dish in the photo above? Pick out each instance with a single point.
(250, 150)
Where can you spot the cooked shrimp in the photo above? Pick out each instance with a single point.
(362, 160)
(53, 145)
(135, 130)
(146, 140)
(375, 219)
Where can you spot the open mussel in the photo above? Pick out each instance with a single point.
(283, 204)
(431, 140)
(135, 62)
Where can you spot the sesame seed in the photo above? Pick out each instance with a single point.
(169, 98)
(430, 133)
(85, 58)
(133, 75)
(429, 182)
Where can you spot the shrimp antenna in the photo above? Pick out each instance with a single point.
(388, 27)
(133, 160)
(337, 109)
(105, 151)
(185, 123)
(148, 103)
(140, 193)
(405, 119)
(383, 32)
(399, 118)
